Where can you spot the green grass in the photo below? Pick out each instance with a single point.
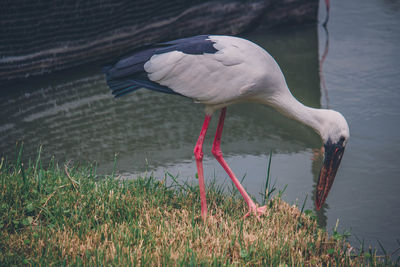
(67, 215)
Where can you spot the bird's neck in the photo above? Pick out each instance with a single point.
(289, 106)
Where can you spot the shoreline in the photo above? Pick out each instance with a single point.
(70, 215)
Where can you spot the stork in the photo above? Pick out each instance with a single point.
(219, 71)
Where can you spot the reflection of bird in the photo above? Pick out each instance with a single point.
(219, 71)
(327, 5)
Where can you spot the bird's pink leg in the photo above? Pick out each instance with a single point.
(198, 154)
(216, 150)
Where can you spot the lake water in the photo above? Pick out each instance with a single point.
(74, 117)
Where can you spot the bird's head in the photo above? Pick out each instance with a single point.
(335, 134)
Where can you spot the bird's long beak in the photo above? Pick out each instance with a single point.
(333, 156)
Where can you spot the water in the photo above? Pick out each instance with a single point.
(361, 73)
(75, 118)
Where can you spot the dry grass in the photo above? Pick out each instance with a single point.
(57, 217)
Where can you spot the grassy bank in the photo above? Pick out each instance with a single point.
(65, 215)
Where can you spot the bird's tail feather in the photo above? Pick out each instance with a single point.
(122, 88)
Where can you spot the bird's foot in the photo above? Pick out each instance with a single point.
(256, 211)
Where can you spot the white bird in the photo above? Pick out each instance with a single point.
(219, 71)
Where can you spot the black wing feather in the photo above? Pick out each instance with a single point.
(128, 74)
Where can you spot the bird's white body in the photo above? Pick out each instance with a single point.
(239, 71)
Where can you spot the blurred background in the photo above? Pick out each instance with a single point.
(52, 93)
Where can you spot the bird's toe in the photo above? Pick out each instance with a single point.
(257, 211)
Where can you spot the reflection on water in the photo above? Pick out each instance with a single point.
(78, 119)
(361, 73)
(321, 65)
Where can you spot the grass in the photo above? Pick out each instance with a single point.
(68, 215)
